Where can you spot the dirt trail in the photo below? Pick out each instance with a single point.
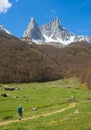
(72, 105)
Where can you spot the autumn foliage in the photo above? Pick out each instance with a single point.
(23, 62)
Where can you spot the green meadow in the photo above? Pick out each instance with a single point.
(39, 99)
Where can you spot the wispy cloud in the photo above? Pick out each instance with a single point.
(85, 3)
(4, 6)
(52, 14)
(53, 11)
(17, 1)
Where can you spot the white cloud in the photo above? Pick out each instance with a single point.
(4, 6)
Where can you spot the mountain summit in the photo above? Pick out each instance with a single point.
(55, 32)
(33, 32)
(52, 33)
(52, 28)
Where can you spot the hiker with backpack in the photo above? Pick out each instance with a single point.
(20, 112)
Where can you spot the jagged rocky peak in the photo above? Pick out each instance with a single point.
(33, 20)
(52, 32)
(55, 30)
(51, 27)
(56, 22)
(32, 24)
(33, 32)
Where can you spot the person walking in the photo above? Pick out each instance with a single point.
(20, 112)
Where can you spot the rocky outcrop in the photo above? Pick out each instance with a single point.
(33, 32)
(55, 30)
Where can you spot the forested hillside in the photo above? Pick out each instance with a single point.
(23, 62)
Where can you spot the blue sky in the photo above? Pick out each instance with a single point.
(75, 15)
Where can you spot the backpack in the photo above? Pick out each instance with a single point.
(19, 109)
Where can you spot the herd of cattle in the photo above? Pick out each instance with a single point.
(7, 88)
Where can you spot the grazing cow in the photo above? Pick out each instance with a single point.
(9, 88)
(4, 95)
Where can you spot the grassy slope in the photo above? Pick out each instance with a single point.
(47, 97)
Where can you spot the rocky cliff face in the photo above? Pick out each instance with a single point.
(53, 32)
(33, 31)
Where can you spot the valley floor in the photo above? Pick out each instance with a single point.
(72, 105)
(46, 106)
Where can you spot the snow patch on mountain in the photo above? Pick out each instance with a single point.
(53, 32)
(64, 42)
(2, 29)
